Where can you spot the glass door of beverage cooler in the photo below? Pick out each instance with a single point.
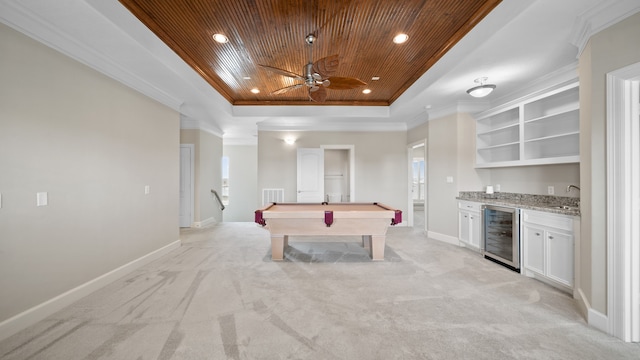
(502, 236)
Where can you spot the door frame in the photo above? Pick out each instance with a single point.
(623, 203)
(352, 166)
(191, 195)
(410, 151)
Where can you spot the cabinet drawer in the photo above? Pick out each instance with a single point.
(469, 206)
(561, 222)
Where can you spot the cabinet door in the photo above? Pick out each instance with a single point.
(560, 257)
(463, 226)
(475, 237)
(533, 249)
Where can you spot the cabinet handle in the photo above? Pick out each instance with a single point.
(465, 216)
(537, 234)
(550, 237)
(471, 217)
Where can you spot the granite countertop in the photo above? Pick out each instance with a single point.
(563, 205)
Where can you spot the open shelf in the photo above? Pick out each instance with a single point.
(553, 146)
(554, 103)
(509, 152)
(544, 129)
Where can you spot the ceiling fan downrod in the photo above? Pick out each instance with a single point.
(312, 79)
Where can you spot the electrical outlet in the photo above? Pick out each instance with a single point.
(551, 190)
(449, 179)
(146, 189)
(497, 187)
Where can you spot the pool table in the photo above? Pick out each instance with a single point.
(370, 220)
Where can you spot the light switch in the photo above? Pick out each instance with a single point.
(450, 179)
(42, 199)
(146, 189)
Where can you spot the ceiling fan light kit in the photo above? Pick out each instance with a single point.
(317, 76)
(481, 90)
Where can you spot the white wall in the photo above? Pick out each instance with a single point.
(243, 182)
(536, 179)
(450, 153)
(609, 50)
(85, 139)
(380, 163)
(207, 173)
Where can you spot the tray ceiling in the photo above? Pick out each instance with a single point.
(272, 33)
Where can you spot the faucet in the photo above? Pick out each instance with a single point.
(572, 186)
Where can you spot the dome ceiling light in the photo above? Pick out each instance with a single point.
(481, 90)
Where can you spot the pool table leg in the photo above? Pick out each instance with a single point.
(278, 243)
(366, 242)
(375, 245)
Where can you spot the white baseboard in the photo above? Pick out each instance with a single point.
(594, 318)
(444, 238)
(206, 222)
(598, 320)
(49, 307)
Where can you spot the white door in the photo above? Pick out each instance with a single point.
(310, 175)
(186, 185)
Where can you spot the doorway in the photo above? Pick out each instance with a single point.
(331, 180)
(417, 202)
(186, 185)
(623, 203)
(342, 162)
(336, 175)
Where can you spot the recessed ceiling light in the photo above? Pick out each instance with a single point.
(366, 91)
(375, 78)
(255, 91)
(246, 77)
(400, 38)
(220, 38)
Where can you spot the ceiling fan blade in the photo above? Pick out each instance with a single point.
(326, 66)
(287, 89)
(344, 83)
(320, 95)
(282, 72)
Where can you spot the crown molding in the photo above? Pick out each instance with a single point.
(334, 126)
(600, 17)
(458, 107)
(187, 123)
(565, 75)
(37, 28)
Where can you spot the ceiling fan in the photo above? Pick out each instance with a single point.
(317, 76)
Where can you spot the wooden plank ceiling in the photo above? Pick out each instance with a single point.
(273, 32)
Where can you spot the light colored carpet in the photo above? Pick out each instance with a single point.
(221, 297)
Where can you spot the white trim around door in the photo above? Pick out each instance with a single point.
(623, 203)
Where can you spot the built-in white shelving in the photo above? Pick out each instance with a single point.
(544, 129)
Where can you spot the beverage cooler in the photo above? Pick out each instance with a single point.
(501, 235)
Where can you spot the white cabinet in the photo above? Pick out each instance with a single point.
(548, 247)
(542, 129)
(469, 228)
